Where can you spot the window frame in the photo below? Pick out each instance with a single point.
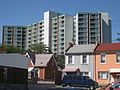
(117, 54)
(101, 58)
(83, 59)
(70, 59)
(100, 75)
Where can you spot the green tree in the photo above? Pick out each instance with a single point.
(12, 49)
(38, 48)
(60, 59)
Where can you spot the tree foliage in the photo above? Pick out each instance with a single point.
(12, 49)
(38, 48)
(60, 59)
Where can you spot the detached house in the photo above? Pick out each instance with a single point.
(43, 67)
(107, 62)
(80, 57)
(13, 71)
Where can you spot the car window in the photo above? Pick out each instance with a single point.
(117, 85)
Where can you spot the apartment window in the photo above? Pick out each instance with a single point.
(117, 57)
(103, 75)
(62, 17)
(29, 30)
(9, 31)
(18, 27)
(18, 31)
(102, 59)
(35, 24)
(9, 27)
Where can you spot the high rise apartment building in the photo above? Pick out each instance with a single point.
(57, 30)
(62, 33)
(14, 36)
(40, 31)
(92, 28)
(34, 34)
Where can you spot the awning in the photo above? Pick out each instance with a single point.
(114, 70)
(70, 69)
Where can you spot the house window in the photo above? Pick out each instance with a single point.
(102, 60)
(85, 59)
(103, 75)
(118, 58)
(84, 73)
(69, 59)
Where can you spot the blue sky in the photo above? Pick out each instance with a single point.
(24, 12)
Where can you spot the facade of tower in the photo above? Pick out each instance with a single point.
(62, 33)
(34, 34)
(40, 31)
(92, 28)
(14, 36)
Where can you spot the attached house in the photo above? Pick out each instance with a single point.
(13, 71)
(107, 62)
(80, 57)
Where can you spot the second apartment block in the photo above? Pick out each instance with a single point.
(14, 36)
(92, 27)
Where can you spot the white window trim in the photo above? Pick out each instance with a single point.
(88, 58)
(81, 59)
(73, 59)
(66, 60)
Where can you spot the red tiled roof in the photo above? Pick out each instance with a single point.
(108, 47)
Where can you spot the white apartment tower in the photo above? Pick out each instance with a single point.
(62, 33)
(40, 31)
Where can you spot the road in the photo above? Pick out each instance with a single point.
(52, 87)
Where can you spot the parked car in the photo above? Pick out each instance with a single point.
(81, 81)
(115, 86)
